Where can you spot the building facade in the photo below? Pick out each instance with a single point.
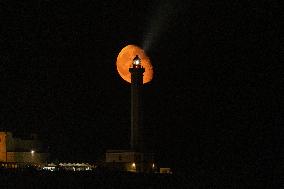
(27, 150)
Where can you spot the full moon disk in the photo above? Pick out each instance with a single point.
(124, 62)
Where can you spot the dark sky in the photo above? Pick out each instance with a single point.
(212, 105)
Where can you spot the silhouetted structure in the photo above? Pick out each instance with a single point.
(135, 159)
(136, 104)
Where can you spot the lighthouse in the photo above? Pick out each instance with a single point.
(136, 158)
(136, 139)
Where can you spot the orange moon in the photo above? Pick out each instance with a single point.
(124, 62)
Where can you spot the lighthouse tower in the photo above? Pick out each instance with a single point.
(135, 159)
(136, 71)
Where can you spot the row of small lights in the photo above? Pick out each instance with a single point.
(133, 164)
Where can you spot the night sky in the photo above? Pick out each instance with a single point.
(212, 106)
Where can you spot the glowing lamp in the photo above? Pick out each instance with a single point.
(137, 61)
(133, 165)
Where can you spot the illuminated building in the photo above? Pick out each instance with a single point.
(21, 151)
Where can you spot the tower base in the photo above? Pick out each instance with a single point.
(131, 161)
